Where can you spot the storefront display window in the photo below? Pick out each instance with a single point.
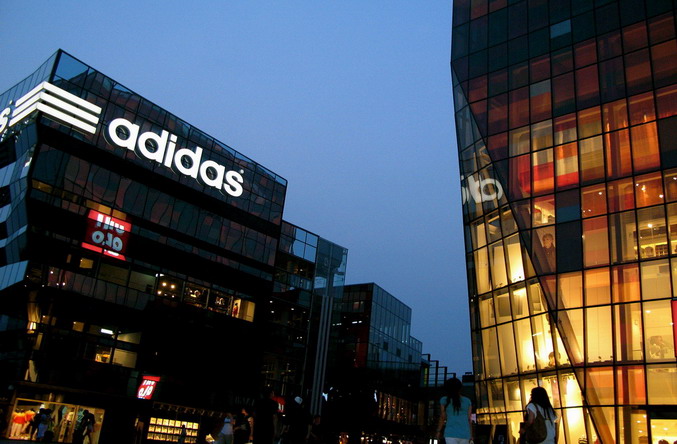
(64, 421)
(169, 430)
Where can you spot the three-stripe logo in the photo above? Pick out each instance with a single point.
(57, 104)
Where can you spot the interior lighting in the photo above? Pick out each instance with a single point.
(107, 331)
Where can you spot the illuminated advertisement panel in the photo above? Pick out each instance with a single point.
(106, 235)
(147, 387)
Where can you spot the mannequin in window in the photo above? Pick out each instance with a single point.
(547, 242)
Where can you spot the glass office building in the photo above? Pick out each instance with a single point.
(140, 266)
(567, 139)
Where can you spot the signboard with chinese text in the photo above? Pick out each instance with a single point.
(147, 387)
(106, 234)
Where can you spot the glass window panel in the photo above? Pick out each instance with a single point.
(570, 290)
(493, 226)
(625, 283)
(541, 135)
(561, 353)
(571, 322)
(519, 107)
(536, 301)
(498, 114)
(498, 146)
(513, 396)
(498, 266)
(649, 190)
(585, 53)
(645, 154)
(635, 37)
(637, 72)
(587, 87)
(599, 344)
(611, 79)
(615, 115)
(636, 431)
(507, 221)
(666, 101)
(519, 141)
(621, 195)
(542, 340)
(507, 343)
(593, 200)
(653, 240)
(595, 242)
(592, 159)
(609, 45)
(487, 315)
(597, 286)
(479, 236)
(540, 100)
(482, 276)
(628, 329)
(565, 129)
(661, 28)
(661, 385)
(570, 246)
(623, 237)
(562, 61)
(618, 154)
(491, 359)
(545, 250)
(520, 177)
(670, 184)
(567, 165)
(642, 108)
(672, 228)
(520, 307)
(600, 381)
(656, 279)
(589, 122)
(659, 336)
(664, 63)
(543, 171)
(544, 210)
(522, 213)
(568, 206)
(563, 99)
(515, 266)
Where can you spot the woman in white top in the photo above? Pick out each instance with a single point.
(540, 402)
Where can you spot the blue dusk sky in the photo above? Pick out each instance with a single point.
(349, 100)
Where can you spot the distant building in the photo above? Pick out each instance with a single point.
(146, 272)
(566, 118)
(375, 373)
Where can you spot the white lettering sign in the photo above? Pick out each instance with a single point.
(162, 149)
(483, 190)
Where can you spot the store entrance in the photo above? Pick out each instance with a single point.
(68, 423)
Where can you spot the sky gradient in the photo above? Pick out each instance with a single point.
(350, 101)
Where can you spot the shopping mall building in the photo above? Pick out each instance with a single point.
(146, 273)
(567, 140)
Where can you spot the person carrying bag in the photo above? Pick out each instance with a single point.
(541, 424)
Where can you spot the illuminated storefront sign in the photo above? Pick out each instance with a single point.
(64, 107)
(147, 387)
(483, 190)
(162, 149)
(106, 234)
(55, 102)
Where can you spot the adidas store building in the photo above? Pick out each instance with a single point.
(134, 248)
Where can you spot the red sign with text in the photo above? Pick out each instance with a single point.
(106, 234)
(147, 387)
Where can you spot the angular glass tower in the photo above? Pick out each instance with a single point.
(567, 137)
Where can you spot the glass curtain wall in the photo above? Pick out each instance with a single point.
(566, 124)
